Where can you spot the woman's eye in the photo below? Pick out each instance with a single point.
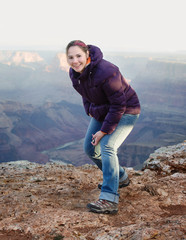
(70, 58)
(78, 56)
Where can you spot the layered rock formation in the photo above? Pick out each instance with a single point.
(37, 79)
(49, 201)
(19, 57)
(26, 131)
(58, 63)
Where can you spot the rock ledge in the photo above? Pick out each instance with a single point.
(49, 201)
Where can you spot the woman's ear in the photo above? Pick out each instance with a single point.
(87, 54)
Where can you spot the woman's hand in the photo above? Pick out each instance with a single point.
(97, 137)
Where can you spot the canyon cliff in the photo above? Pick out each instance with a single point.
(48, 202)
(42, 117)
(26, 131)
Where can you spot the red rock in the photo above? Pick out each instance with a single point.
(49, 202)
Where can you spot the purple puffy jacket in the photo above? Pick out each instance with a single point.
(105, 92)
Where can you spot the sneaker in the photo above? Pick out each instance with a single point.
(103, 206)
(122, 184)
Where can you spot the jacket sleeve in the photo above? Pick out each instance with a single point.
(86, 104)
(113, 88)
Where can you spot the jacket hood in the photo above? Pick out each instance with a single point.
(96, 55)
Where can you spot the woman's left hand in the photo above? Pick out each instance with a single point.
(97, 137)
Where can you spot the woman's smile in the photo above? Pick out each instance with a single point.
(77, 59)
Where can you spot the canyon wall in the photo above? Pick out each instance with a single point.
(42, 118)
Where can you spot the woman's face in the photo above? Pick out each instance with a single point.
(77, 58)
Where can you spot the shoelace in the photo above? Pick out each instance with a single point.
(103, 203)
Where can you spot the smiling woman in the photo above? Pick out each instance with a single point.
(113, 107)
(77, 55)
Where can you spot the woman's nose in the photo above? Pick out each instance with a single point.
(75, 60)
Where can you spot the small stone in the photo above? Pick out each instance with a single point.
(162, 192)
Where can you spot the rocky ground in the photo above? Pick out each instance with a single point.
(49, 201)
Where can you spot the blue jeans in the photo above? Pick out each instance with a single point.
(105, 154)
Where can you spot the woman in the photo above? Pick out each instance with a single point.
(113, 107)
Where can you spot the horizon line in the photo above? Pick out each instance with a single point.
(62, 48)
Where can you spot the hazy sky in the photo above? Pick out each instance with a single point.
(158, 25)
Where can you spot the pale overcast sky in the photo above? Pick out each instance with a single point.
(151, 25)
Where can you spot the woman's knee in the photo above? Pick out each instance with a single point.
(109, 149)
(88, 149)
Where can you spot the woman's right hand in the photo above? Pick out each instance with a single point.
(97, 137)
